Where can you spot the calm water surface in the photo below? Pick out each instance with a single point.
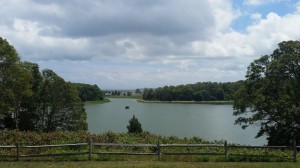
(210, 122)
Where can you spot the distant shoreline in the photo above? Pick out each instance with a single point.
(97, 101)
(106, 100)
(124, 97)
(186, 102)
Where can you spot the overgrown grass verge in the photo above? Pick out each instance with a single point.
(54, 138)
(145, 164)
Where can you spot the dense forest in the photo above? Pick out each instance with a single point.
(31, 99)
(201, 91)
(89, 92)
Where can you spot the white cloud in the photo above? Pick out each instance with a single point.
(262, 2)
(256, 16)
(267, 33)
(253, 2)
(224, 14)
(135, 39)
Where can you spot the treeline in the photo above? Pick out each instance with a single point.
(201, 91)
(89, 92)
(31, 99)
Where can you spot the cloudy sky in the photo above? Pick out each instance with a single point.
(129, 44)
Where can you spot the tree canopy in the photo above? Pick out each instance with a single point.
(31, 100)
(60, 105)
(201, 91)
(270, 95)
(14, 82)
(89, 92)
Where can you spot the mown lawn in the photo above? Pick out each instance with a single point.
(147, 164)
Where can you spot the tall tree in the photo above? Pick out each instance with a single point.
(14, 83)
(8, 58)
(271, 95)
(30, 106)
(60, 107)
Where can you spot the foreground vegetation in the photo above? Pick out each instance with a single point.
(145, 164)
(52, 138)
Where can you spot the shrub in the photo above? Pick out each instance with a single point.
(134, 125)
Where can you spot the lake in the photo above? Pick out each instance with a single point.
(207, 121)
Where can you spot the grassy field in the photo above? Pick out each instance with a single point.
(146, 164)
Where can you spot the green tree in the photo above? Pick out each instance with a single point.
(201, 91)
(30, 106)
(21, 91)
(138, 91)
(89, 92)
(60, 105)
(134, 126)
(128, 93)
(197, 96)
(271, 95)
(148, 94)
(8, 60)
(14, 83)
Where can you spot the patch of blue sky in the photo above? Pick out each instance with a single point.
(281, 8)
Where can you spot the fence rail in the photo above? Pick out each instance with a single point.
(158, 150)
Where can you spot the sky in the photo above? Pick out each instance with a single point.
(130, 44)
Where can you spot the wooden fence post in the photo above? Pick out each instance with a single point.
(90, 150)
(18, 151)
(294, 150)
(225, 149)
(158, 150)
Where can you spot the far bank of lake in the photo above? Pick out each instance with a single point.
(186, 102)
(207, 121)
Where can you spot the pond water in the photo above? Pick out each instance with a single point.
(210, 122)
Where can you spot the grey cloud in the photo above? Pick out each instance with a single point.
(160, 17)
(160, 27)
(155, 34)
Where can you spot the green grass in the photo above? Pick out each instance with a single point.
(39, 138)
(145, 164)
(97, 101)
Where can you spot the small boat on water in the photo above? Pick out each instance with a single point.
(126, 107)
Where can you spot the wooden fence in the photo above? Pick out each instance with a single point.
(89, 150)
